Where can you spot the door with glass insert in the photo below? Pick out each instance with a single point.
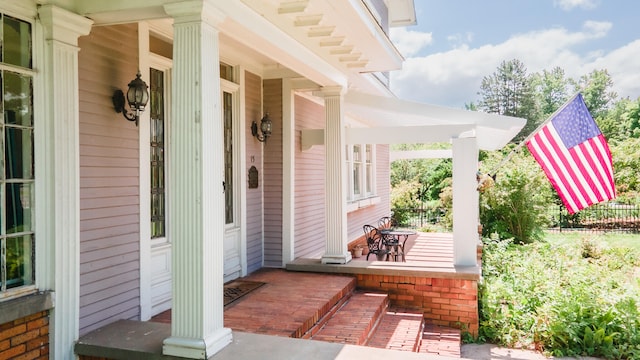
(160, 252)
(232, 234)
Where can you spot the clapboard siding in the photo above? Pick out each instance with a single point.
(109, 181)
(371, 214)
(253, 111)
(272, 179)
(310, 183)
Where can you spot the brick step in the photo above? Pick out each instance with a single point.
(399, 329)
(440, 340)
(354, 322)
(326, 317)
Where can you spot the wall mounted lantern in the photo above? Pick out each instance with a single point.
(265, 129)
(137, 97)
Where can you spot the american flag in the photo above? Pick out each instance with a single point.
(575, 156)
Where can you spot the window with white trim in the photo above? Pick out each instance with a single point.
(360, 171)
(17, 247)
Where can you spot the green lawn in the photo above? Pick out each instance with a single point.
(631, 241)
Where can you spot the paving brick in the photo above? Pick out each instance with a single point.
(353, 323)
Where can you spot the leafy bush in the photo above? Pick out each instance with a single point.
(515, 207)
(404, 196)
(567, 300)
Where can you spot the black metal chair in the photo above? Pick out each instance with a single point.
(387, 222)
(390, 241)
(375, 242)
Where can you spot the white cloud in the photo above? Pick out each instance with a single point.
(571, 4)
(410, 42)
(459, 40)
(453, 78)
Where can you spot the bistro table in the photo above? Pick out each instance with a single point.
(399, 238)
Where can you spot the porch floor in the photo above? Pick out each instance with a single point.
(291, 302)
(292, 299)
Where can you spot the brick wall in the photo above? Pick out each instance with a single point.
(447, 302)
(25, 338)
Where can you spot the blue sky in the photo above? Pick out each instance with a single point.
(458, 42)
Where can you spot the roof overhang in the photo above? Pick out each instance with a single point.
(421, 121)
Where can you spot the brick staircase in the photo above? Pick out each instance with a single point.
(365, 318)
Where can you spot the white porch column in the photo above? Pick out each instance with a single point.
(58, 234)
(196, 196)
(335, 177)
(465, 201)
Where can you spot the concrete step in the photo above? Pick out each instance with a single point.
(440, 340)
(399, 329)
(355, 321)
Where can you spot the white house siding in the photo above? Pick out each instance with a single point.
(272, 178)
(371, 214)
(109, 193)
(309, 203)
(253, 111)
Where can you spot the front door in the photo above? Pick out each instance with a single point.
(158, 287)
(232, 236)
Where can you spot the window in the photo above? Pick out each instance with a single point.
(227, 114)
(17, 248)
(360, 171)
(157, 154)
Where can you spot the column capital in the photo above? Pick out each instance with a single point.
(63, 25)
(328, 91)
(195, 11)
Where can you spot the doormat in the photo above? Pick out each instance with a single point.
(239, 288)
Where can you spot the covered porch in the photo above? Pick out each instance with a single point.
(298, 303)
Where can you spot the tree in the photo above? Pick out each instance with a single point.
(509, 91)
(595, 88)
(552, 89)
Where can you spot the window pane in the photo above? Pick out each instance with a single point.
(19, 153)
(16, 96)
(18, 207)
(156, 150)
(356, 178)
(16, 42)
(19, 261)
(227, 100)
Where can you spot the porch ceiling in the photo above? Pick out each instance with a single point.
(331, 42)
(401, 121)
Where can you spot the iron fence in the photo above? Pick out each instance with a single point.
(609, 217)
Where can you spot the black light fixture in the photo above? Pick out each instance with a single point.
(137, 97)
(265, 129)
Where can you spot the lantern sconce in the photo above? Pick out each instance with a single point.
(137, 97)
(265, 128)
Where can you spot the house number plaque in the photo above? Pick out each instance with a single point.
(253, 177)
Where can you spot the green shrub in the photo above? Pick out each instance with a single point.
(515, 207)
(566, 299)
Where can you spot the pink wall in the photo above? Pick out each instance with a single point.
(109, 193)
(272, 95)
(253, 111)
(309, 208)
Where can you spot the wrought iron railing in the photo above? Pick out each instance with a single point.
(609, 217)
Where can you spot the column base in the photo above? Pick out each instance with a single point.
(336, 259)
(197, 348)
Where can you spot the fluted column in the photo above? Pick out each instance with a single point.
(465, 201)
(335, 180)
(58, 250)
(196, 197)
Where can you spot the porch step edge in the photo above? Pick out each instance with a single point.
(354, 322)
(399, 329)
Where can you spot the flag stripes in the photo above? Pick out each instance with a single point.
(582, 174)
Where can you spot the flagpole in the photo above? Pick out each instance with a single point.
(493, 172)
